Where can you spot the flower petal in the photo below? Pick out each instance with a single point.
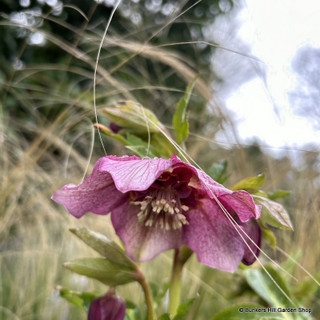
(242, 203)
(96, 194)
(213, 238)
(211, 186)
(252, 229)
(142, 243)
(133, 173)
(239, 201)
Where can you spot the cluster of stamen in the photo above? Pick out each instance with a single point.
(162, 208)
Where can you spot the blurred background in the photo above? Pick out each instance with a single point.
(255, 105)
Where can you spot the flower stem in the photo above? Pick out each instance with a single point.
(180, 258)
(148, 296)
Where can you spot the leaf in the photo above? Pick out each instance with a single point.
(218, 171)
(131, 115)
(306, 290)
(278, 194)
(79, 299)
(233, 313)
(165, 316)
(268, 236)
(184, 309)
(132, 311)
(315, 303)
(251, 184)
(103, 245)
(265, 287)
(273, 213)
(159, 291)
(180, 118)
(140, 147)
(109, 273)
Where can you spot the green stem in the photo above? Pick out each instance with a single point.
(180, 258)
(148, 296)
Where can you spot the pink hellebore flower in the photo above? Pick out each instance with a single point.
(158, 204)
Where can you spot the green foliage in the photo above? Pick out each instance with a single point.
(182, 312)
(79, 299)
(141, 147)
(273, 213)
(132, 311)
(184, 309)
(106, 247)
(180, 118)
(251, 184)
(234, 313)
(273, 289)
(278, 194)
(268, 236)
(218, 171)
(159, 291)
(107, 272)
(266, 288)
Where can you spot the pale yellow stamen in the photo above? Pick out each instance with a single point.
(162, 209)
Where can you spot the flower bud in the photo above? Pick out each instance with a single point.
(107, 307)
(134, 117)
(114, 127)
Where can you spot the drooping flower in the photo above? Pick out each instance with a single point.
(158, 204)
(107, 307)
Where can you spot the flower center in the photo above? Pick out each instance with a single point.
(162, 208)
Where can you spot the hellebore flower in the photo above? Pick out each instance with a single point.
(107, 307)
(158, 204)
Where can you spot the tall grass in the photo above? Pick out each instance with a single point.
(48, 144)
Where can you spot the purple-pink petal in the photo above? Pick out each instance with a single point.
(111, 177)
(213, 238)
(252, 232)
(96, 194)
(133, 173)
(142, 243)
(239, 201)
(242, 203)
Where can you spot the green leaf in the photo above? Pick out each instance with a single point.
(269, 291)
(159, 291)
(218, 171)
(233, 313)
(132, 311)
(165, 316)
(184, 309)
(180, 118)
(251, 184)
(109, 273)
(273, 213)
(106, 247)
(315, 306)
(268, 236)
(140, 147)
(306, 290)
(133, 116)
(266, 288)
(278, 194)
(79, 299)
